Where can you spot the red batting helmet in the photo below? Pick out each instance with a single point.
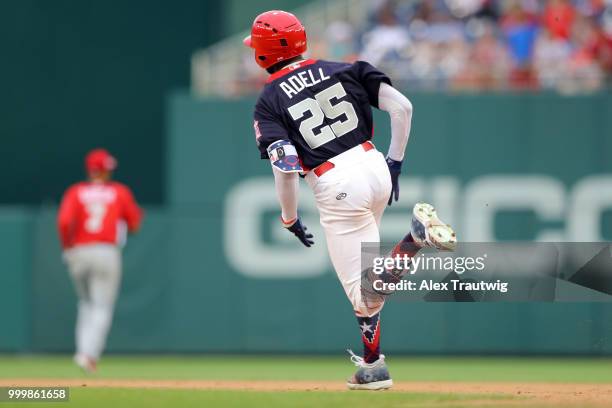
(99, 160)
(276, 36)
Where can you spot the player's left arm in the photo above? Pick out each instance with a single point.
(382, 95)
(131, 211)
(400, 111)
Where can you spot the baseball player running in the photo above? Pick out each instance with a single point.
(92, 222)
(314, 117)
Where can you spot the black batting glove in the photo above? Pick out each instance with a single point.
(299, 230)
(395, 168)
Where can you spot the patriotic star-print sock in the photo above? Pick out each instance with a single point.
(370, 335)
(406, 246)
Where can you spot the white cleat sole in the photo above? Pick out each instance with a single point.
(373, 386)
(84, 364)
(439, 234)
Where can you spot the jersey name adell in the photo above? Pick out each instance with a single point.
(323, 108)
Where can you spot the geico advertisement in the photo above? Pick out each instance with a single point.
(563, 213)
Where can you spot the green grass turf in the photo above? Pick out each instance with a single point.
(522, 369)
(294, 368)
(154, 398)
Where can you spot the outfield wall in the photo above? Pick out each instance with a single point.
(212, 271)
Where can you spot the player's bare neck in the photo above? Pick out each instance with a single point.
(98, 181)
(101, 179)
(277, 67)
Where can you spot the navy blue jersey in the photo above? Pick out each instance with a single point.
(322, 107)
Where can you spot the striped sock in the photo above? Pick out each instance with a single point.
(370, 335)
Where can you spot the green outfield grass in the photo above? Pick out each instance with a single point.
(403, 369)
(112, 398)
(315, 368)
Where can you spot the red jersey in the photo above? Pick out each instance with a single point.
(97, 213)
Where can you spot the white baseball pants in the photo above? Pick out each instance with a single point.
(351, 199)
(96, 272)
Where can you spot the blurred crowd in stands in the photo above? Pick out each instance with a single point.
(564, 45)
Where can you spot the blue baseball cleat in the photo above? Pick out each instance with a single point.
(374, 376)
(429, 231)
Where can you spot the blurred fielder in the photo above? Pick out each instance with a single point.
(314, 117)
(92, 223)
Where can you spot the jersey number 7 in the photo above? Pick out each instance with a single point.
(321, 107)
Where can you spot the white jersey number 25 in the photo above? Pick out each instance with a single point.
(321, 107)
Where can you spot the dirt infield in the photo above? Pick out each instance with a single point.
(554, 394)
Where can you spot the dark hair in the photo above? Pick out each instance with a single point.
(280, 65)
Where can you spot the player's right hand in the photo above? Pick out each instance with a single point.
(299, 230)
(66, 255)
